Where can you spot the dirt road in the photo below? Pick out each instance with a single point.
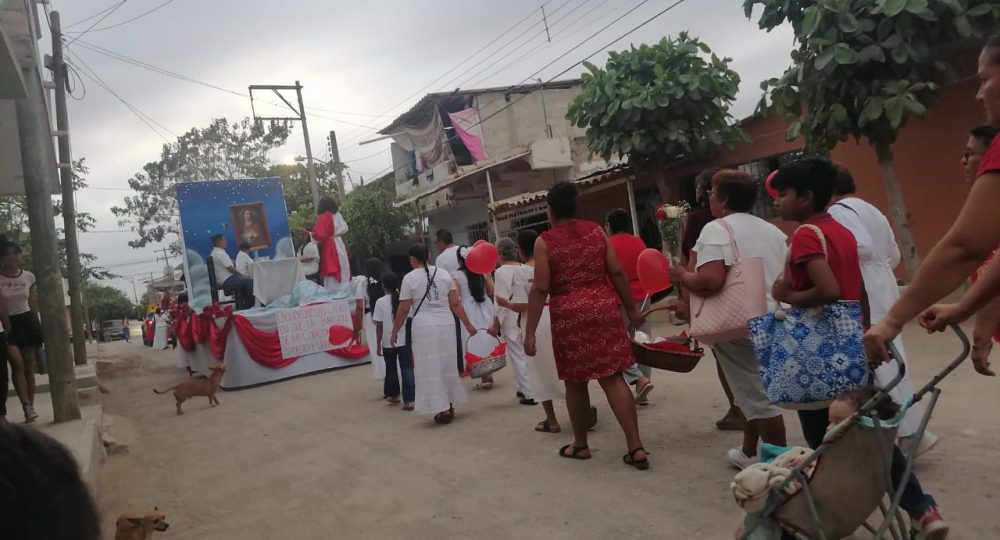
(324, 457)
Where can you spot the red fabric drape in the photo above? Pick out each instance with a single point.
(219, 337)
(264, 347)
(323, 233)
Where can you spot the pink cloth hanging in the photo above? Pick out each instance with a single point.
(466, 124)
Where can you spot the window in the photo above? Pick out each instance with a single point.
(478, 231)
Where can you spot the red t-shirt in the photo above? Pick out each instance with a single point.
(990, 163)
(628, 248)
(841, 254)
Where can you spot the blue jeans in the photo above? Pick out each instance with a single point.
(404, 357)
(914, 500)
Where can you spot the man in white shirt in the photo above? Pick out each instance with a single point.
(228, 278)
(244, 262)
(879, 255)
(447, 259)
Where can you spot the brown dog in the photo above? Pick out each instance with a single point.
(140, 527)
(203, 387)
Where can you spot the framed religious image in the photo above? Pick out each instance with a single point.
(250, 225)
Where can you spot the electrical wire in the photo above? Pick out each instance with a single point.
(145, 118)
(141, 15)
(97, 22)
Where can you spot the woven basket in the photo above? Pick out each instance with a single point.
(677, 361)
(488, 365)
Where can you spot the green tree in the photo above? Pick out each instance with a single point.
(658, 104)
(863, 68)
(221, 151)
(108, 303)
(295, 183)
(14, 223)
(374, 223)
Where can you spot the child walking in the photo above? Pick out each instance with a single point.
(385, 314)
(823, 269)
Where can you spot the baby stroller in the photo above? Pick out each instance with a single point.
(851, 479)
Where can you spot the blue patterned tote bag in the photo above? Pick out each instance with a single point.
(808, 356)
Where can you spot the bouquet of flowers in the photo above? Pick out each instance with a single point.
(671, 218)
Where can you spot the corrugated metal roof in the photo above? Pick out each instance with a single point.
(593, 179)
(433, 97)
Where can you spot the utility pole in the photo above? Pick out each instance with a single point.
(300, 115)
(338, 167)
(35, 135)
(73, 267)
(135, 293)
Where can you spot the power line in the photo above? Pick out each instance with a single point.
(97, 22)
(141, 15)
(146, 119)
(85, 19)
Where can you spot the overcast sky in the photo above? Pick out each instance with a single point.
(364, 60)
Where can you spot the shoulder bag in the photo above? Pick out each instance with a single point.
(723, 316)
(409, 320)
(808, 356)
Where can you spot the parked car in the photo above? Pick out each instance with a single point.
(148, 325)
(112, 330)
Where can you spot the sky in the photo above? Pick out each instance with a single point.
(361, 62)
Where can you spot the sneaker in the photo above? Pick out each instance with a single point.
(740, 460)
(29, 414)
(929, 525)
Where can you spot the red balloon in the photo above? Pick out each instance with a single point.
(340, 334)
(653, 270)
(479, 242)
(767, 185)
(482, 258)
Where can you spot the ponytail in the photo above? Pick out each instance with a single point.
(420, 254)
(390, 282)
(477, 283)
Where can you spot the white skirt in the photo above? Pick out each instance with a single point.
(378, 365)
(481, 315)
(159, 337)
(438, 383)
(545, 383)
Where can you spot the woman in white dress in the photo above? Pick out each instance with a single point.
(429, 296)
(159, 331)
(368, 289)
(509, 284)
(476, 293)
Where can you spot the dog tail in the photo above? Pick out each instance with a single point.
(166, 390)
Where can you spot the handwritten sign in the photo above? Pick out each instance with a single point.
(306, 330)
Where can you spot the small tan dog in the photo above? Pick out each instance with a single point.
(203, 387)
(140, 527)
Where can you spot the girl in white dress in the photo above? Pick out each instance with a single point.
(475, 292)
(545, 383)
(429, 295)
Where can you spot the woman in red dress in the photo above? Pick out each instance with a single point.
(573, 261)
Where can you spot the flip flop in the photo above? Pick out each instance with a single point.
(642, 394)
(629, 459)
(545, 427)
(574, 454)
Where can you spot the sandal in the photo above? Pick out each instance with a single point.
(574, 454)
(408, 407)
(545, 427)
(443, 418)
(629, 459)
